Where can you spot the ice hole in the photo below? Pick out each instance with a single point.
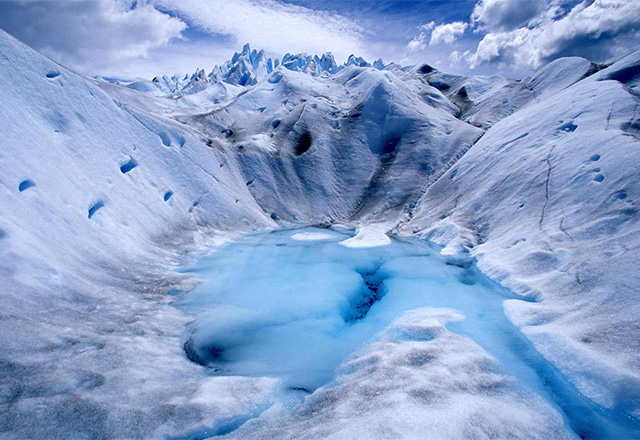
(303, 143)
(94, 208)
(131, 164)
(26, 184)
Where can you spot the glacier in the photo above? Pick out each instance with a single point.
(107, 188)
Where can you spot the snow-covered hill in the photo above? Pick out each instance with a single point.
(106, 187)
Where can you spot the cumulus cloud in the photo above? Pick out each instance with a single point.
(275, 26)
(506, 15)
(447, 33)
(596, 30)
(418, 42)
(90, 36)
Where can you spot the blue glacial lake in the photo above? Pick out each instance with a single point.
(294, 304)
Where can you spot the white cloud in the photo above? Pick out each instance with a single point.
(94, 36)
(275, 26)
(506, 15)
(417, 43)
(447, 33)
(597, 30)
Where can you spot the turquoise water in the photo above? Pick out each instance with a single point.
(275, 306)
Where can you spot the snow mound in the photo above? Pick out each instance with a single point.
(417, 367)
(371, 235)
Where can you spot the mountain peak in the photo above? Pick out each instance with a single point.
(250, 66)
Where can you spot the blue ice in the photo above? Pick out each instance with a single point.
(271, 305)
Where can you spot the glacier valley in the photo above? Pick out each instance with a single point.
(299, 249)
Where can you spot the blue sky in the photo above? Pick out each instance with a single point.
(144, 38)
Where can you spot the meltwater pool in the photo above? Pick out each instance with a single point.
(294, 304)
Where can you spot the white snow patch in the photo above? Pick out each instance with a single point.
(310, 236)
(367, 236)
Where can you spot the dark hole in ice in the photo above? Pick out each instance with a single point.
(128, 166)
(390, 143)
(595, 157)
(303, 144)
(227, 132)
(372, 292)
(52, 75)
(425, 68)
(443, 87)
(275, 123)
(626, 75)
(632, 128)
(26, 184)
(620, 195)
(303, 389)
(463, 93)
(95, 208)
(165, 139)
(192, 354)
(569, 127)
(167, 195)
(215, 354)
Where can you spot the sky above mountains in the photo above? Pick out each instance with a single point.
(132, 39)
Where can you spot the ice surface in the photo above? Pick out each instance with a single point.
(546, 201)
(104, 188)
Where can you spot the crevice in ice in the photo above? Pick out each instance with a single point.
(372, 292)
(546, 187)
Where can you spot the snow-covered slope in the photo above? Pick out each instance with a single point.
(546, 201)
(105, 187)
(96, 200)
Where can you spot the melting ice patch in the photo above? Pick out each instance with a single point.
(275, 305)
